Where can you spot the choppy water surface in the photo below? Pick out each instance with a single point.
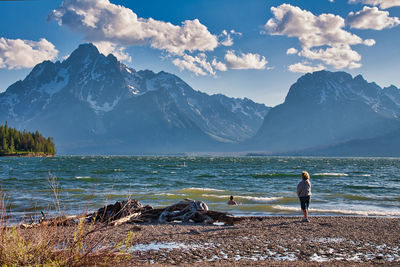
(263, 185)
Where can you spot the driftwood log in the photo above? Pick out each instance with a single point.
(132, 211)
(117, 211)
(57, 221)
(185, 211)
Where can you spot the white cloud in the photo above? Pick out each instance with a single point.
(245, 61)
(200, 66)
(311, 30)
(371, 18)
(17, 53)
(113, 27)
(103, 21)
(228, 40)
(291, 51)
(110, 48)
(196, 64)
(304, 67)
(319, 36)
(338, 57)
(384, 4)
(369, 42)
(219, 65)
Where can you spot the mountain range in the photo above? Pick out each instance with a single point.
(93, 104)
(326, 109)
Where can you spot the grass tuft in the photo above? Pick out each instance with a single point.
(50, 245)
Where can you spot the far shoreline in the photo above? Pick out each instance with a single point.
(27, 155)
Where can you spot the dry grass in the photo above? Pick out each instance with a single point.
(46, 245)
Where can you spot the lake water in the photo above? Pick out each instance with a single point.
(263, 185)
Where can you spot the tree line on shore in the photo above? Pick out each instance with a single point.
(14, 142)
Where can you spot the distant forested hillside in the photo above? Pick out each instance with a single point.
(14, 142)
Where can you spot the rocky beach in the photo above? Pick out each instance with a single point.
(273, 241)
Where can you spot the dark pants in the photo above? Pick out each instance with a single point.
(304, 202)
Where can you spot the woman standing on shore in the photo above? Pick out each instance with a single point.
(304, 194)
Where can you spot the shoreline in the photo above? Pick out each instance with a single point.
(257, 240)
(22, 218)
(27, 155)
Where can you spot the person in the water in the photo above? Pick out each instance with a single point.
(231, 201)
(304, 194)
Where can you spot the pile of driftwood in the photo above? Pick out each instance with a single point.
(185, 211)
(132, 211)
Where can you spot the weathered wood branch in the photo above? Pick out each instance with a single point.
(132, 211)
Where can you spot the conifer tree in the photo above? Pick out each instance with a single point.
(13, 141)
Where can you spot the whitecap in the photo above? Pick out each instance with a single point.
(216, 196)
(164, 194)
(201, 189)
(260, 199)
(341, 211)
(82, 177)
(331, 174)
(250, 198)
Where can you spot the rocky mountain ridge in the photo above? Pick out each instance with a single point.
(91, 99)
(326, 108)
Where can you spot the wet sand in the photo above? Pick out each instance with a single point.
(276, 241)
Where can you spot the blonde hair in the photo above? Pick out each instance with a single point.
(305, 175)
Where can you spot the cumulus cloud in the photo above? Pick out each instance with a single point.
(245, 61)
(291, 51)
(384, 4)
(196, 64)
(102, 21)
(319, 36)
(369, 42)
(228, 41)
(304, 67)
(200, 66)
(338, 57)
(17, 53)
(110, 48)
(227, 37)
(113, 27)
(219, 65)
(311, 30)
(371, 18)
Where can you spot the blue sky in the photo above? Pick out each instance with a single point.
(254, 49)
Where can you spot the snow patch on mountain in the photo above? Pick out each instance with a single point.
(133, 90)
(106, 107)
(160, 81)
(57, 84)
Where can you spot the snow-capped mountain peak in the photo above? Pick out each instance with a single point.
(90, 96)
